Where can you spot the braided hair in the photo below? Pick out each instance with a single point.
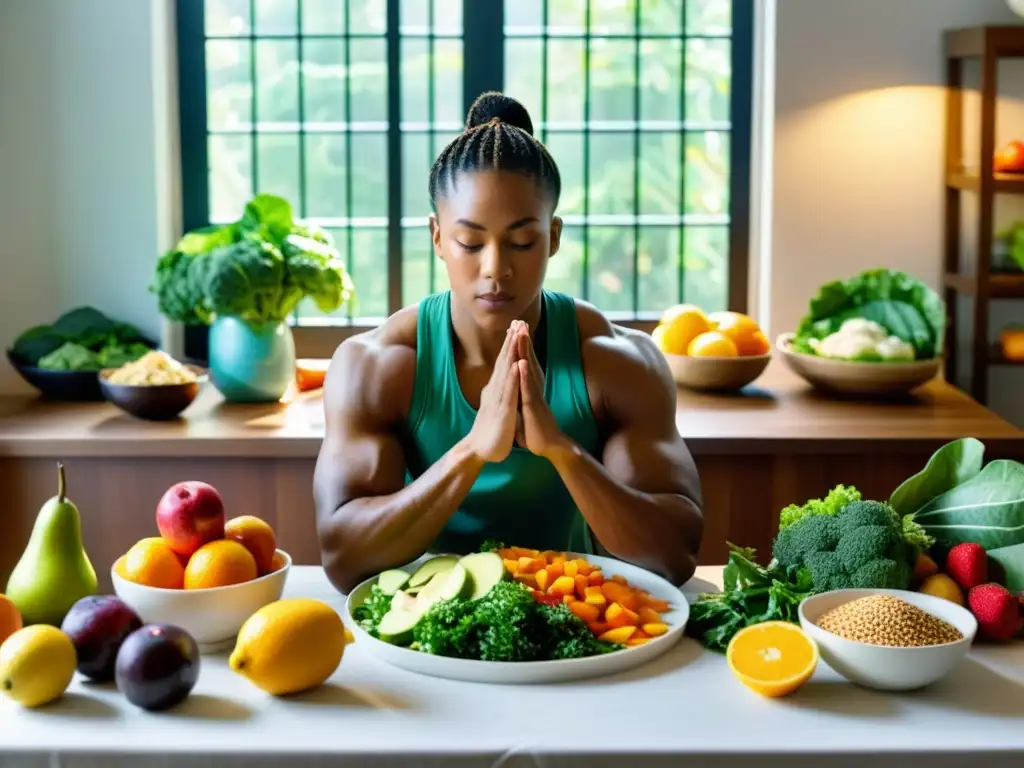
(498, 136)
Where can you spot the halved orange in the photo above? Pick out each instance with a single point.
(773, 658)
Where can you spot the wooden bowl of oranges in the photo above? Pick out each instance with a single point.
(712, 352)
(210, 592)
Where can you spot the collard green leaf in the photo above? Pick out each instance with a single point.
(953, 464)
(1008, 567)
(987, 509)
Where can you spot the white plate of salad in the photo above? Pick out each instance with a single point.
(516, 615)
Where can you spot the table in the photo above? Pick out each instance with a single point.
(775, 444)
(685, 704)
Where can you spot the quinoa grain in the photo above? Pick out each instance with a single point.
(885, 620)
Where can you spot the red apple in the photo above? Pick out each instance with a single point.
(189, 515)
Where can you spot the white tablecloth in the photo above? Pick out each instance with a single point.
(684, 704)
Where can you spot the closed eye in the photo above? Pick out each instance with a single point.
(523, 247)
(470, 248)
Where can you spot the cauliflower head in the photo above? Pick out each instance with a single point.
(862, 546)
(861, 339)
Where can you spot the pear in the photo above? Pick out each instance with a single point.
(54, 571)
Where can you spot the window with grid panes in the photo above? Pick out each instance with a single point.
(341, 107)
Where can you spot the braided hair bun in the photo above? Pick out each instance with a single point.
(492, 106)
(498, 137)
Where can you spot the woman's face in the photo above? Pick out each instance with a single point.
(495, 233)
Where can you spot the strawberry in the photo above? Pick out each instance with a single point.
(997, 611)
(968, 565)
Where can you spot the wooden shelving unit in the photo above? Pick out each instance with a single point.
(986, 45)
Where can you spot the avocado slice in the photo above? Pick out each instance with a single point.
(403, 601)
(392, 580)
(397, 625)
(485, 570)
(444, 586)
(429, 569)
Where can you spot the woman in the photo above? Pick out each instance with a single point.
(499, 410)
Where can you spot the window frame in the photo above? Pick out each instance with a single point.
(319, 338)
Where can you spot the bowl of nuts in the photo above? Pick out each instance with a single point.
(888, 639)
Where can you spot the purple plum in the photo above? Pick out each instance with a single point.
(97, 626)
(157, 666)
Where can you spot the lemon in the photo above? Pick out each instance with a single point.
(36, 665)
(658, 337)
(712, 344)
(682, 325)
(290, 645)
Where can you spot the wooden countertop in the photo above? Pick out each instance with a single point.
(779, 413)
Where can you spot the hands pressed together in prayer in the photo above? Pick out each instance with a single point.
(512, 405)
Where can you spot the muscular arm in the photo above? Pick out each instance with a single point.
(367, 518)
(642, 499)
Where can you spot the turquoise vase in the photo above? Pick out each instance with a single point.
(251, 363)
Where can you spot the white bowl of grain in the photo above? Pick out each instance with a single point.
(871, 642)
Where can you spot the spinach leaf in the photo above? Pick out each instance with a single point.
(35, 343)
(953, 464)
(987, 509)
(752, 594)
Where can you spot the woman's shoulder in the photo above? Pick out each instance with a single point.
(611, 351)
(380, 363)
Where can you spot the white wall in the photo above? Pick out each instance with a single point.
(86, 136)
(84, 159)
(858, 165)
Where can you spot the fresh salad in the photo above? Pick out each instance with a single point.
(510, 604)
(880, 315)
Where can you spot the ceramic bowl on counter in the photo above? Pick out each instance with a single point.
(71, 386)
(153, 402)
(883, 667)
(212, 616)
(716, 374)
(849, 377)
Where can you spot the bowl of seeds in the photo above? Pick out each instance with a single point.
(888, 639)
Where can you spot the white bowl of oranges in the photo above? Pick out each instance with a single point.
(204, 572)
(716, 351)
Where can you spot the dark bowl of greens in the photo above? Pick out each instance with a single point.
(63, 360)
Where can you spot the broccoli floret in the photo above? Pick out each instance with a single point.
(882, 573)
(813, 534)
(861, 513)
(827, 572)
(861, 546)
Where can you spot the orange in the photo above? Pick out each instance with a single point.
(712, 344)
(742, 329)
(757, 344)
(10, 618)
(153, 563)
(257, 536)
(682, 325)
(277, 563)
(773, 658)
(219, 563)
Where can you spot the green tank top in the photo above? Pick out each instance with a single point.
(522, 500)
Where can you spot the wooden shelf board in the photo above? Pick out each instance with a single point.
(970, 182)
(1002, 285)
(1005, 42)
(995, 357)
